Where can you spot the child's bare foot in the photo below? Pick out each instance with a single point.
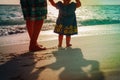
(59, 46)
(68, 45)
(39, 45)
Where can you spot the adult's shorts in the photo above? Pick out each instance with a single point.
(34, 9)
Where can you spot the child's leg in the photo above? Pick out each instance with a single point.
(68, 39)
(60, 38)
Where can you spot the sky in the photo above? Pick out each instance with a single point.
(84, 2)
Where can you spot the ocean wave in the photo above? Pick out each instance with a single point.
(8, 30)
(17, 29)
(86, 15)
(12, 22)
(98, 22)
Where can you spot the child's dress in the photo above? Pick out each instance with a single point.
(66, 22)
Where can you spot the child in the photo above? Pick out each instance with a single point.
(66, 23)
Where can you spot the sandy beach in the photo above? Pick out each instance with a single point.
(93, 56)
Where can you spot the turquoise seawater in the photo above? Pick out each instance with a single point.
(86, 15)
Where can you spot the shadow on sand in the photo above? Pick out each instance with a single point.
(72, 63)
(20, 67)
(75, 67)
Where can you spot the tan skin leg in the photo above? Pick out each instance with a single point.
(29, 25)
(34, 28)
(60, 38)
(68, 39)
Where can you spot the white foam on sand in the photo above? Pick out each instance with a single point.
(50, 35)
(88, 31)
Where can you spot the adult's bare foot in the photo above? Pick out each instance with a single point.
(37, 48)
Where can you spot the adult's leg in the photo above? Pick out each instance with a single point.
(30, 27)
(33, 42)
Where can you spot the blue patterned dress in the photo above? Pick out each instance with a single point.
(66, 23)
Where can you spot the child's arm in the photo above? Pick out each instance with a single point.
(52, 3)
(78, 3)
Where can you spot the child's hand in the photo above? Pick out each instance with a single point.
(53, 3)
(78, 3)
